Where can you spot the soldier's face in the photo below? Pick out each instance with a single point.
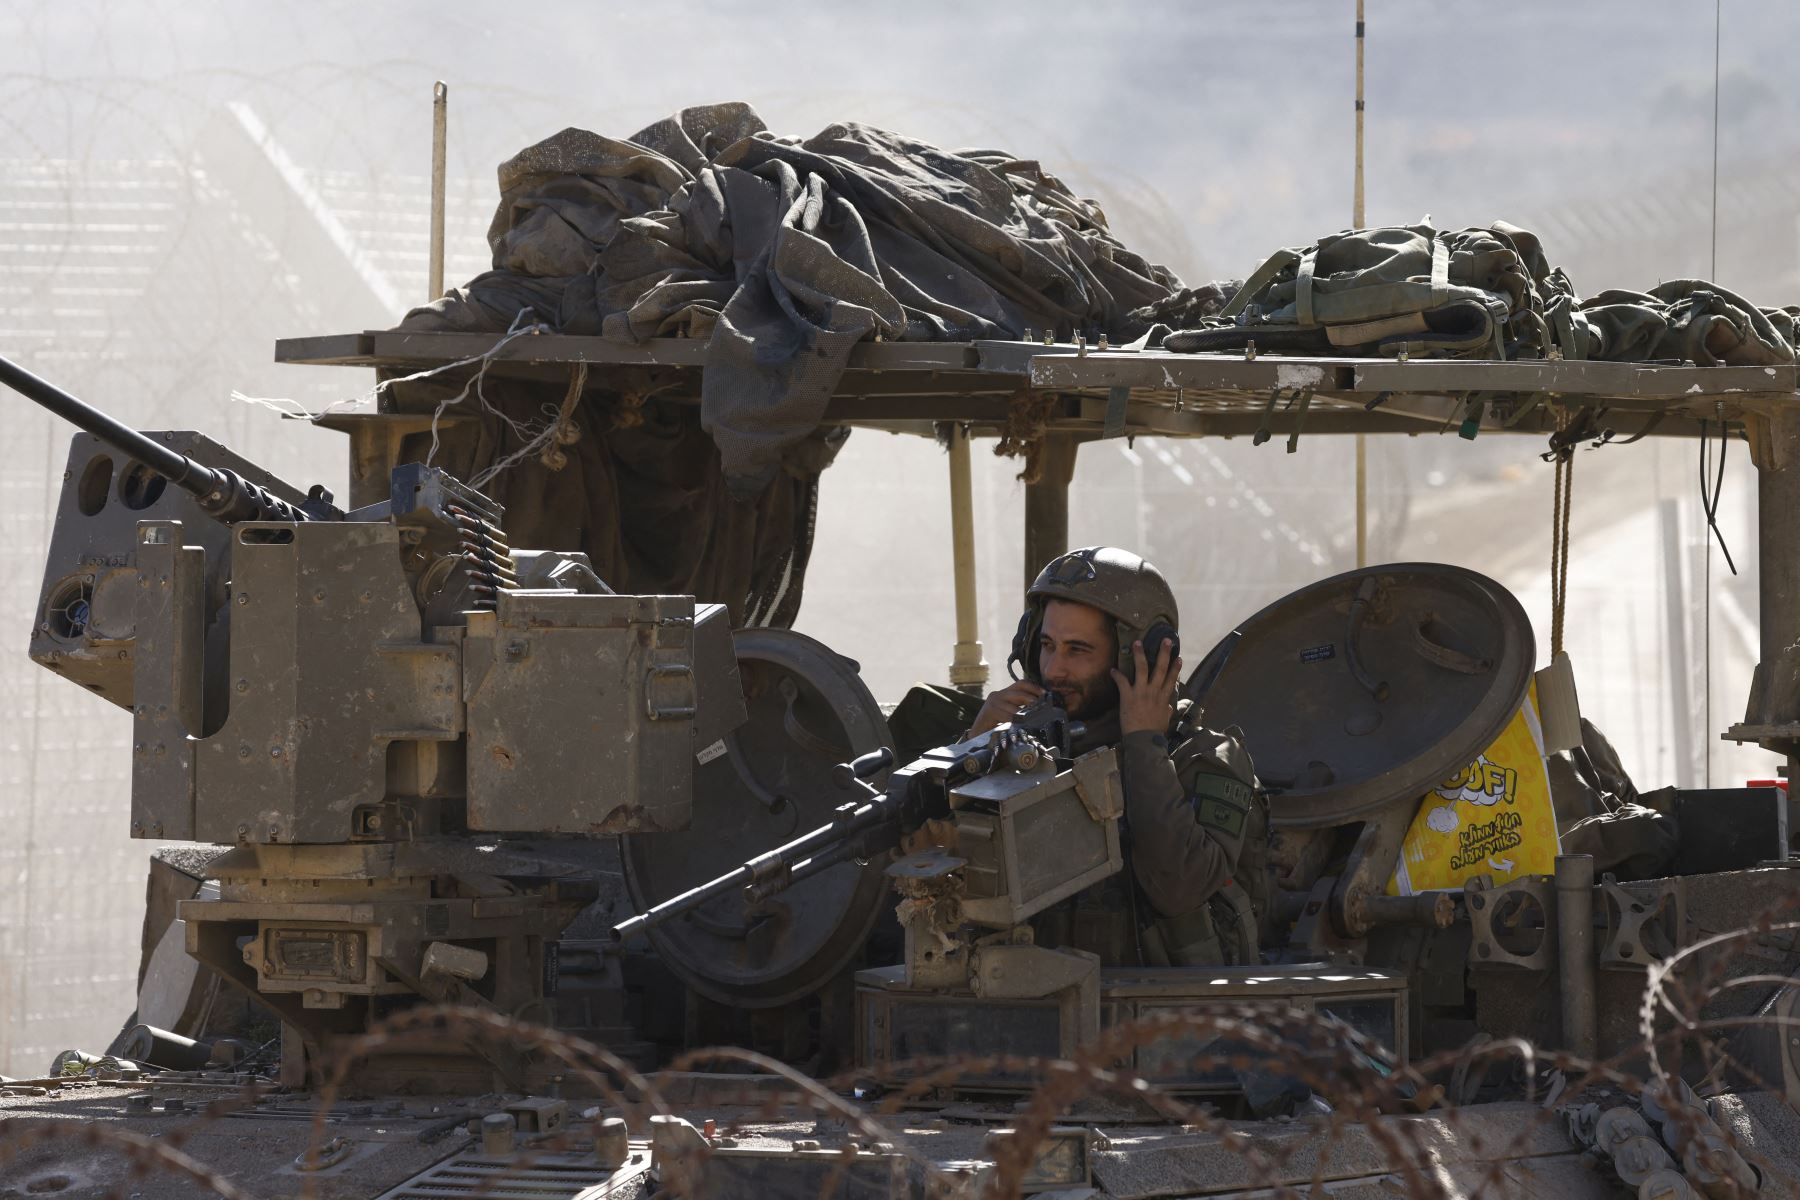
(1076, 654)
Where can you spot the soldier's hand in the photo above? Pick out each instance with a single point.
(1146, 701)
(1004, 705)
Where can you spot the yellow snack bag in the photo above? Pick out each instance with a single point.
(1494, 817)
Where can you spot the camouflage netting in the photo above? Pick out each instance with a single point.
(1474, 293)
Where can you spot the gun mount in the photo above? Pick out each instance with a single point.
(349, 699)
(976, 838)
(1023, 830)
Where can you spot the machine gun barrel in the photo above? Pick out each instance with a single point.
(807, 855)
(222, 494)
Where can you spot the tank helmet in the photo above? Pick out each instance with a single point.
(1117, 582)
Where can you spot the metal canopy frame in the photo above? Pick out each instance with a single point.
(911, 387)
(1076, 393)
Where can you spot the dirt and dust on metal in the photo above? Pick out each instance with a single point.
(511, 883)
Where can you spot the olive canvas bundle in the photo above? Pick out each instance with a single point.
(1487, 293)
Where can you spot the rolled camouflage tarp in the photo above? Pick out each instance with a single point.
(784, 252)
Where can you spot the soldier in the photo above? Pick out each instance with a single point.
(1194, 890)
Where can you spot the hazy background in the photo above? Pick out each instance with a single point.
(181, 183)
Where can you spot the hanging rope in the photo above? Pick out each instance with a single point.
(1712, 484)
(563, 431)
(1709, 504)
(1559, 536)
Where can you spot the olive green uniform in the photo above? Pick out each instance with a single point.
(1195, 889)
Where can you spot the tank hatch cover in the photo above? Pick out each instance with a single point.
(1372, 686)
(769, 782)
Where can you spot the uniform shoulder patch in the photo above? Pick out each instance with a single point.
(1221, 803)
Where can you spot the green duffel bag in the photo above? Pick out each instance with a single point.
(1473, 293)
(1688, 320)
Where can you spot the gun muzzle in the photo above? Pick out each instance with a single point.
(223, 495)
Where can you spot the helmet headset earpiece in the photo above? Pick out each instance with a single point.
(1024, 647)
(1159, 639)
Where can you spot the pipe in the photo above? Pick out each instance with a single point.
(1427, 910)
(161, 1048)
(968, 669)
(1362, 501)
(440, 129)
(1356, 204)
(1676, 603)
(1575, 951)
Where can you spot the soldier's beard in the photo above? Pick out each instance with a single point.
(1085, 699)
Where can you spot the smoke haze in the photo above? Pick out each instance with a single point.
(180, 184)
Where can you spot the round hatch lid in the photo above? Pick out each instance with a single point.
(808, 710)
(1372, 686)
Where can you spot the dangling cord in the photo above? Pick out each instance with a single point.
(1710, 503)
(1559, 538)
(1710, 488)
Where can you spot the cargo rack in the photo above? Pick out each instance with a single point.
(1093, 392)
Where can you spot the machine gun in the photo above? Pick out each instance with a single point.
(348, 699)
(879, 822)
(981, 835)
(456, 555)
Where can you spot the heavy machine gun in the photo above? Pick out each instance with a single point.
(361, 704)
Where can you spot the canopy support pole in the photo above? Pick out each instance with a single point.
(968, 669)
(1047, 504)
(440, 129)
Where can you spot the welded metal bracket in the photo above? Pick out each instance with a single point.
(1645, 922)
(1498, 915)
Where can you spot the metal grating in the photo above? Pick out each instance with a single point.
(528, 1176)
